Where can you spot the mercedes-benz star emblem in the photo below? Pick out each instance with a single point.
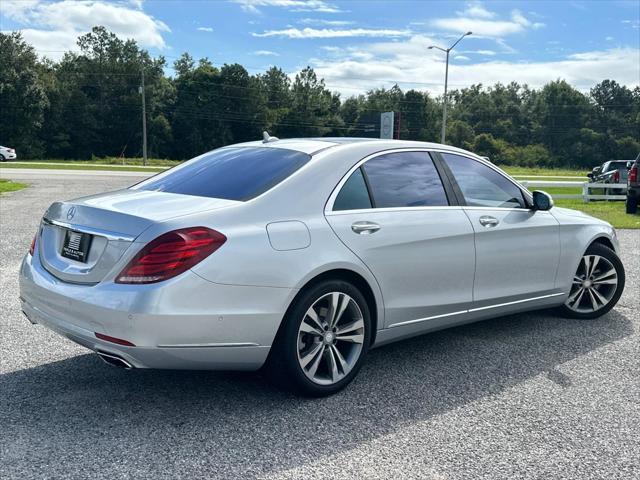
(71, 213)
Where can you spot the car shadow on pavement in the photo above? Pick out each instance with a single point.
(78, 416)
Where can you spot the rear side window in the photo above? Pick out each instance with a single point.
(404, 179)
(239, 173)
(354, 194)
(481, 185)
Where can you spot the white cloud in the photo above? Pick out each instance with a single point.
(609, 39)
(355, 70)
(480, 21)
(475, 9)
(321, 6)
(461, 57)
(266, 53)
(330, 23)
(333, 33)
(50, 26)
(205, 29)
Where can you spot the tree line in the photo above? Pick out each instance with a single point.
(88, 105)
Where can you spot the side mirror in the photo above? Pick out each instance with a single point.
(542, 200)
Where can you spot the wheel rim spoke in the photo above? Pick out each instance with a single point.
(330, 338)
(354, 338)
(306, 360)
(594, 264)
(597, 294)
(316, 363)
(357, 325)
(594, 302)
(313, 316)
(576, 301)
(342, 363)
(604, 277)
(333, 365)
(339, 303)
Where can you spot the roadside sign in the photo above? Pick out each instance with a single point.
(386, 125)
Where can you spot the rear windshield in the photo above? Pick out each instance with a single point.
(236, 173)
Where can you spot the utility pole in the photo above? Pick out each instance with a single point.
(446, 82)
(144, 122)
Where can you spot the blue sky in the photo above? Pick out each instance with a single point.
(357, 45)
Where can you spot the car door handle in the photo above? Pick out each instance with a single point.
(487, 221)
(365, 228)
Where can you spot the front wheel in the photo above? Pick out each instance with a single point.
(2, 159)
(597, 284)
(324, 340)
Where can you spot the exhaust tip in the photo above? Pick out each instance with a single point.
(114, 360)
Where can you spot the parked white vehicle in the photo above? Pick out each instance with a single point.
(7, 153)
(304, 254)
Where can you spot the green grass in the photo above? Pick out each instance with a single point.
(79, 166)
(154, 162)
(9, 186)
(523, 172)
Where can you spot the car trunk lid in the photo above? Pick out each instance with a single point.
(82, 240)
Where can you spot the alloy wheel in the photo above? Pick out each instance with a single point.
(594, 285)
(330, 338)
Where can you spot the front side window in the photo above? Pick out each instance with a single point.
(482, 186)
(404, 179)
(237, 173)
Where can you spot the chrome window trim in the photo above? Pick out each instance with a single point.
(391, 209)
(473, 310)
(113, 236)
(328, 208)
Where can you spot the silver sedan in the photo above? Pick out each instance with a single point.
(301, 255)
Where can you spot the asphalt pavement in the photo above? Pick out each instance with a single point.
(526, 396)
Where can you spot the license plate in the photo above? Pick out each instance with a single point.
(76, 246)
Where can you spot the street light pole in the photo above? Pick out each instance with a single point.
(144, 122)
(446, 82)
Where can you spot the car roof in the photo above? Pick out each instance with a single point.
(315, 145)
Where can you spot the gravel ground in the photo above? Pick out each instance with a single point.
(525, 396)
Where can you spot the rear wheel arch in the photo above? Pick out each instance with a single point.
(346, 275)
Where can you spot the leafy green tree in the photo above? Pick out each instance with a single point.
(23, 99)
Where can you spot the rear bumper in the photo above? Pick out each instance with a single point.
(184, 323)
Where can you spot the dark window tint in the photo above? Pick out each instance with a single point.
(482, 186)
(231, 173)
(407, 179)
(354, 194)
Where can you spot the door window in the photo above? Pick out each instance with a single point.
(482, 186)
(354, 194)
(405, 179)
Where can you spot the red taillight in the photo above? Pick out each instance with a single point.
(171, 254)
(118, 341)
(616, 176)
(633, 174)
(32, 248)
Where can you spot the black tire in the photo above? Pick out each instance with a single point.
(631, 205)
(606, 252)
(2, 159)
(283, 366)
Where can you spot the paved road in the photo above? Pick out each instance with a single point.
(527, 396)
